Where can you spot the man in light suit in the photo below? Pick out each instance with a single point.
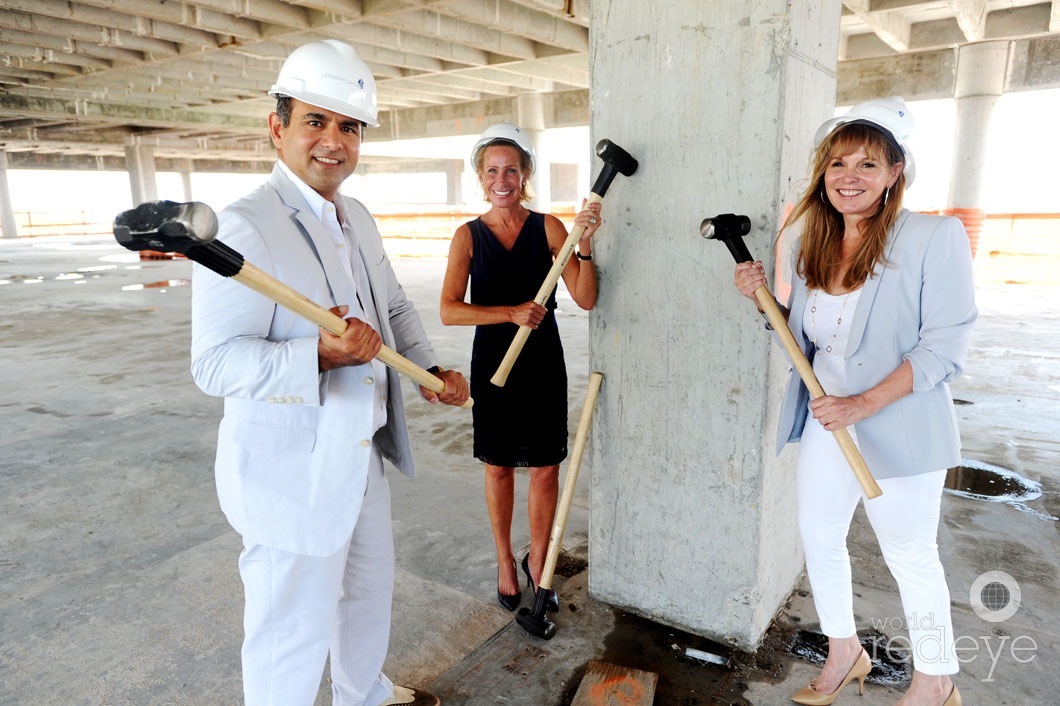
(309, 415)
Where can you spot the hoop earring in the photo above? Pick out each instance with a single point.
(885, 195)
(824, 196)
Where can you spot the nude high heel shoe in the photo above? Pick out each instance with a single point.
(862, 666)
(954, 698)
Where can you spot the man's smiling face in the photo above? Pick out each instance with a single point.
(320, 146)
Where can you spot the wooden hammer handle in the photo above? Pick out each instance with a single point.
(264, 283)
(768, 304)
(559, 525)
(551, 279)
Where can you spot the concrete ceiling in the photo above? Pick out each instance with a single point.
(83, 79)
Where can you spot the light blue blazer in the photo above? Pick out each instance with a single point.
(920, 307)
(293, 446)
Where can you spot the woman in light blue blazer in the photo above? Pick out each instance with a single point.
(882, 303)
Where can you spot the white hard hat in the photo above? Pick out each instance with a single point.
(504, 132)
(329, 75)
(889, 114)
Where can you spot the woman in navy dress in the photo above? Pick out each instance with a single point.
(506, 254)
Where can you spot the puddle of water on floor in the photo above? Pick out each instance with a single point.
(123, 257)
(75, 245)
(890, 666)
(984, 481)
(162, 284)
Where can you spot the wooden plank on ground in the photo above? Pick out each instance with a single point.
(606, 684)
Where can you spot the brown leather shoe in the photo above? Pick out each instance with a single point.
(404, 696)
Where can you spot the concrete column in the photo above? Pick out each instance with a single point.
(454, 173)
(140, 162)
(8, 226)
(692, 519)
(186, 167)
(981, 71)
(531, 117)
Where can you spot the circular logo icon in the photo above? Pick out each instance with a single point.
(995, 596)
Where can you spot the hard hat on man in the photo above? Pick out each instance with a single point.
(329, 74)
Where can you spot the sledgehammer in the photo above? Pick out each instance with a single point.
(616, 161)
(535, 621)
(190, 229)
(730, 229)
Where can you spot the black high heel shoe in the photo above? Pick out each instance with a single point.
(510, 602)
(553, 599)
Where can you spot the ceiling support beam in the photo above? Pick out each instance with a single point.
(971, 17)
(509, 18)
(890, 27)
(50, 108)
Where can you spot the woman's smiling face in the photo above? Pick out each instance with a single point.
(855, 182)
(502, 175)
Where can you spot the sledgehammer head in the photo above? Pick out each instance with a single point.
(166, 226)
(729, 229)
(612, 154)
(535, 621)
(616, 161)
(186, 228)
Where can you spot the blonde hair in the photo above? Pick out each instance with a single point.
(820, 251)
(526, 194)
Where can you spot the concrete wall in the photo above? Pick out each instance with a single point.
(692, 519)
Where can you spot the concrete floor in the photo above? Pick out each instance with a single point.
(118, 580)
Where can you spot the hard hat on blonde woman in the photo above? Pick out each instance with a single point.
(330, 75)
(888, 114)
(504, 132)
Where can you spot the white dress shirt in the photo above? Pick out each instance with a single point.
(374, 372)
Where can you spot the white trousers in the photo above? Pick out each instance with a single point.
(905, 519)
(300, 608)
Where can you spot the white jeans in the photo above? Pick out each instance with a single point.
(298, 608)
(905, 519)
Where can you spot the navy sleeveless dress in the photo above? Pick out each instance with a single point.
(523, 423)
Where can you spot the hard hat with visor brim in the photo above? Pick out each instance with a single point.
(328, 74)
(889, 115)
(504, 133)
